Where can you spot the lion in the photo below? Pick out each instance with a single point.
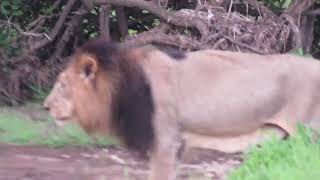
(154, 100)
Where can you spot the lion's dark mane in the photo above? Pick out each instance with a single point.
(132, 103)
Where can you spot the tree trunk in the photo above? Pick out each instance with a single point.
(104, 21)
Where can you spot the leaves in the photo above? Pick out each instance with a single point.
(11, 8)
(5, 5)
(132, 32)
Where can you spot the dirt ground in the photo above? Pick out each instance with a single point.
(41, 163)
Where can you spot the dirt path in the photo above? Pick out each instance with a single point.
(40, 163)
(70, 163)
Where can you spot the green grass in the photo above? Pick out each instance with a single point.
(16, 128)
(297, 158)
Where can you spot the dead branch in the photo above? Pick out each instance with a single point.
(265, 11)
(69, 31)
(54, 32)
(253, 49)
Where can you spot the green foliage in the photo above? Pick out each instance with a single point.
(11, 8)
(113, 13)
(297, 158)
(17, 129)
(132, 32)
(155, 22)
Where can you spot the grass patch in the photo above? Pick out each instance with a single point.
(16, 128)
(297, 158)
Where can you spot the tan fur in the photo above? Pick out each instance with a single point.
(206, 99)
(217, 95)
(83, 102)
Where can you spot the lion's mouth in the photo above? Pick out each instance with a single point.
(61, 121)
(65, 118)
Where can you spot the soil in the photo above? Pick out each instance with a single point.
(70, 163)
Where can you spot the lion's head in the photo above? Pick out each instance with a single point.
(81, 93)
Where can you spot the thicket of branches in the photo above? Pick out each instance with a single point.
(37, 36)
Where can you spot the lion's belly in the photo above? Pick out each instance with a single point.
(232, 103)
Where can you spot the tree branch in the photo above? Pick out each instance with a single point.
(169, 17)
(122, 21)
(72, 24)
(54, 32)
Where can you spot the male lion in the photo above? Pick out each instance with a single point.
(152, 100)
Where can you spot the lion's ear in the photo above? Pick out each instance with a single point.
(88, 67)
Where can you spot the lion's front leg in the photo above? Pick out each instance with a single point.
(162, 164)
(167, 142)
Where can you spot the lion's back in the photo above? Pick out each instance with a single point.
(241, 89)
